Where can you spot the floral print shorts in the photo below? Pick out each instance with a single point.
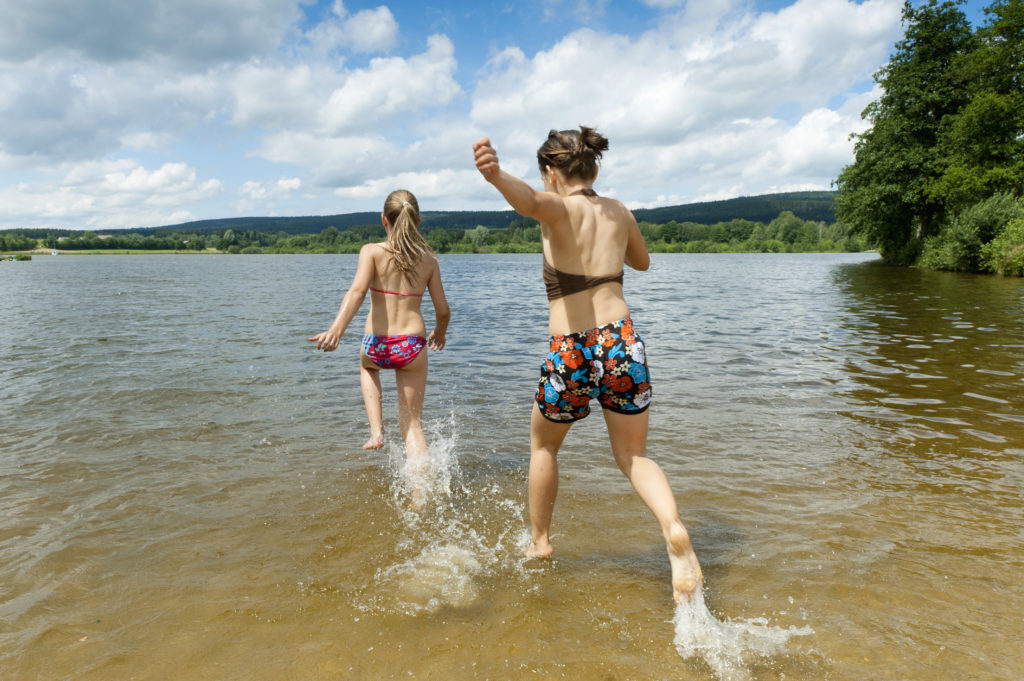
(608, 363)
(392, 352)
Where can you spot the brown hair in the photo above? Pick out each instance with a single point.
(405, 243)
(574, 152)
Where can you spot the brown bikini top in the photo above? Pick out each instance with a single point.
(560, 284)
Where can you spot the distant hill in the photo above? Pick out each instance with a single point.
(314, 224)
(817, 205)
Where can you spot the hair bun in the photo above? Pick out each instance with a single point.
(594, 141)
(575, 152)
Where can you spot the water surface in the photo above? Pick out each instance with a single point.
(183, 494)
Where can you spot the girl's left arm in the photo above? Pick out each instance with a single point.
(637, 256)
(442, 312)
(350, 304)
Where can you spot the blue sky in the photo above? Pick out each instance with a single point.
(140, 114)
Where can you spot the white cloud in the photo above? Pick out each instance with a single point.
(107, 195)
(694, 109)
(333, 109)
(266, 196)
(276, 188)
(393, 86)
(112, 31)
(67, 110)
(426, 186)
(369, 30)
(273, 95)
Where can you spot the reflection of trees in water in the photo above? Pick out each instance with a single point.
(934, 358)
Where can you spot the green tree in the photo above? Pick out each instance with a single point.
(886, 192)
(786, 228)
(650, 232)
(982, 147)
(478, 236)
(1005, 253)
(328, 235)
(670, 231)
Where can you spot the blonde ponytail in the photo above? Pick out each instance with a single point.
(405, 243)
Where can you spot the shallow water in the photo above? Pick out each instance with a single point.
(183, 494)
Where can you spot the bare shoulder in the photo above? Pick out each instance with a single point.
(431, 263)
(373, 250)
(618, 210)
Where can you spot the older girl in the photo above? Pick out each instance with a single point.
(595, 350)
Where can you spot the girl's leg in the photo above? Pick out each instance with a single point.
(369, 379)
(545, 440)
(628, 436)
(412, 386)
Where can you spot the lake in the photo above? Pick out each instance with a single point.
(183, 494)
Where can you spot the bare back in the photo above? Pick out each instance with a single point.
(397, 312)
(591, 240)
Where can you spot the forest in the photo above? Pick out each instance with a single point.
(937, 179)
(787, 233)
(778, 223)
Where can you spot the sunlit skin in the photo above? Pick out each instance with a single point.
(600, 235)
(392, 315)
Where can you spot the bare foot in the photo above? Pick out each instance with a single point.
(540, 549)
(417, 467)
(376, 441)
(687, 577)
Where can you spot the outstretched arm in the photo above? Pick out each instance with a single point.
(350, 304)
(442, 312)
(524, 199)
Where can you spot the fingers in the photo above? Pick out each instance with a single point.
(325, 341)
(485, 157)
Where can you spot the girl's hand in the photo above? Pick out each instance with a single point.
(486, 158)
(326, 340)
(436, 340)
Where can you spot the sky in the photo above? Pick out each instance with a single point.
(120, 114)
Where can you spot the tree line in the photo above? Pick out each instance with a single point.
(787, 233)
(937, 179)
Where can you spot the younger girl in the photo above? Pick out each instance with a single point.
(396, 272)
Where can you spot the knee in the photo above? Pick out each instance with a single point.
(626, 461)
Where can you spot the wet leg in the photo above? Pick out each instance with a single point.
(628, 436)
(412, 385)
(545, 440)
(369, 380)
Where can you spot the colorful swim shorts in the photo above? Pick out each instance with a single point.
(392, 352)
(608, 363)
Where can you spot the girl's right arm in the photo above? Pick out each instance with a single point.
(350, 304)
(541, 206)
(442, 312)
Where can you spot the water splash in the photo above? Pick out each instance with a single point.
(442, 557)
(441, 575)
(728, 646)
(426, 479)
